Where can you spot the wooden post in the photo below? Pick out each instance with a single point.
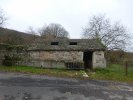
(126, 68)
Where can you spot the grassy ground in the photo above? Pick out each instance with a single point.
(114, 72)
(45, 71)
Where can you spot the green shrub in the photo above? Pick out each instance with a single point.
(7, 62)
(10, 60)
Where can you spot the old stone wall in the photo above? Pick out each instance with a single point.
(41, 63)
(51, 59)
(48, 59)
(63, 56)
(98, 59)
(55, 59)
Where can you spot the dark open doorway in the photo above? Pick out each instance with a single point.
(87, 58)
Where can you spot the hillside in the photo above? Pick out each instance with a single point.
(15, 37)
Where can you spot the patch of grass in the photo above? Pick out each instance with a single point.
(114, 72)
(44, 71)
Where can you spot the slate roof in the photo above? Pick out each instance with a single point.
(64, 45)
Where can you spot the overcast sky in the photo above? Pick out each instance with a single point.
(71, 14)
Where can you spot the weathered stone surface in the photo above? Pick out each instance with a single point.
(65, 56)
(98, 59)
(44, 64)
(55, 59)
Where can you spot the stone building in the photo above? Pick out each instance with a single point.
(66, 53)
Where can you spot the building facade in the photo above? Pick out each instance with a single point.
(61, 53)
(66, 53)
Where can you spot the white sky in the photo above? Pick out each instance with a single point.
(71, 14)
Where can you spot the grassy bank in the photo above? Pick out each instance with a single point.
(114, 72)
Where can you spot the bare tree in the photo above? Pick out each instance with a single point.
(113, 36)
(32, 31)
(2, 18)
(53, 31)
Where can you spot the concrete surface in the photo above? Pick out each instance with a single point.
(17, 86)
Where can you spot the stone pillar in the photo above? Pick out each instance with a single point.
(98, 59)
